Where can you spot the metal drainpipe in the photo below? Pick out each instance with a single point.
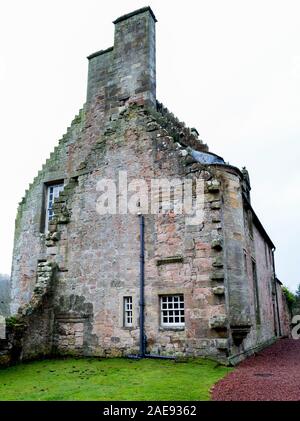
(142, 287)
(142, 353)
(276, 296)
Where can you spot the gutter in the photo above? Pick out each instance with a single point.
(142, 287)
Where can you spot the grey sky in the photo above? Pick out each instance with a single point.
(229, 68)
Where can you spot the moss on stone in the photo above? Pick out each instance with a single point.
(4, 360)
(15, 322)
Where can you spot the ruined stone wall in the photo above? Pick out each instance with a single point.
(93, 259)
(29, 333)
(205, 262)
(98, 255)
(125, 73)
(29, 242)
(97, 258)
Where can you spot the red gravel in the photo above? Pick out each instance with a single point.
(271, 375)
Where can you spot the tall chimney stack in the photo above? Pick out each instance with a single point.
(125, 72)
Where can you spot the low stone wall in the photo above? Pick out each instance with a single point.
(28, 334)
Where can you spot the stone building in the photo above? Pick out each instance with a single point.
(142, 283)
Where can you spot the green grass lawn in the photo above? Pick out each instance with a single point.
(110, 379)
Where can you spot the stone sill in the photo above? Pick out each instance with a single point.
(169, 260)
(170, 328)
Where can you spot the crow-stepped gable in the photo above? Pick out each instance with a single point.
(86, 282)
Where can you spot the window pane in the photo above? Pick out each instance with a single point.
(172, 310)
(127, 311)
(52, 192)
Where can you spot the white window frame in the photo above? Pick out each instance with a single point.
(172, 312)
(128, 311)
(53, 191)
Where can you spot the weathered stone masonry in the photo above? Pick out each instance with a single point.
(69, 283)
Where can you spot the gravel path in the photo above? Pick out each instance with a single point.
(271, 375)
